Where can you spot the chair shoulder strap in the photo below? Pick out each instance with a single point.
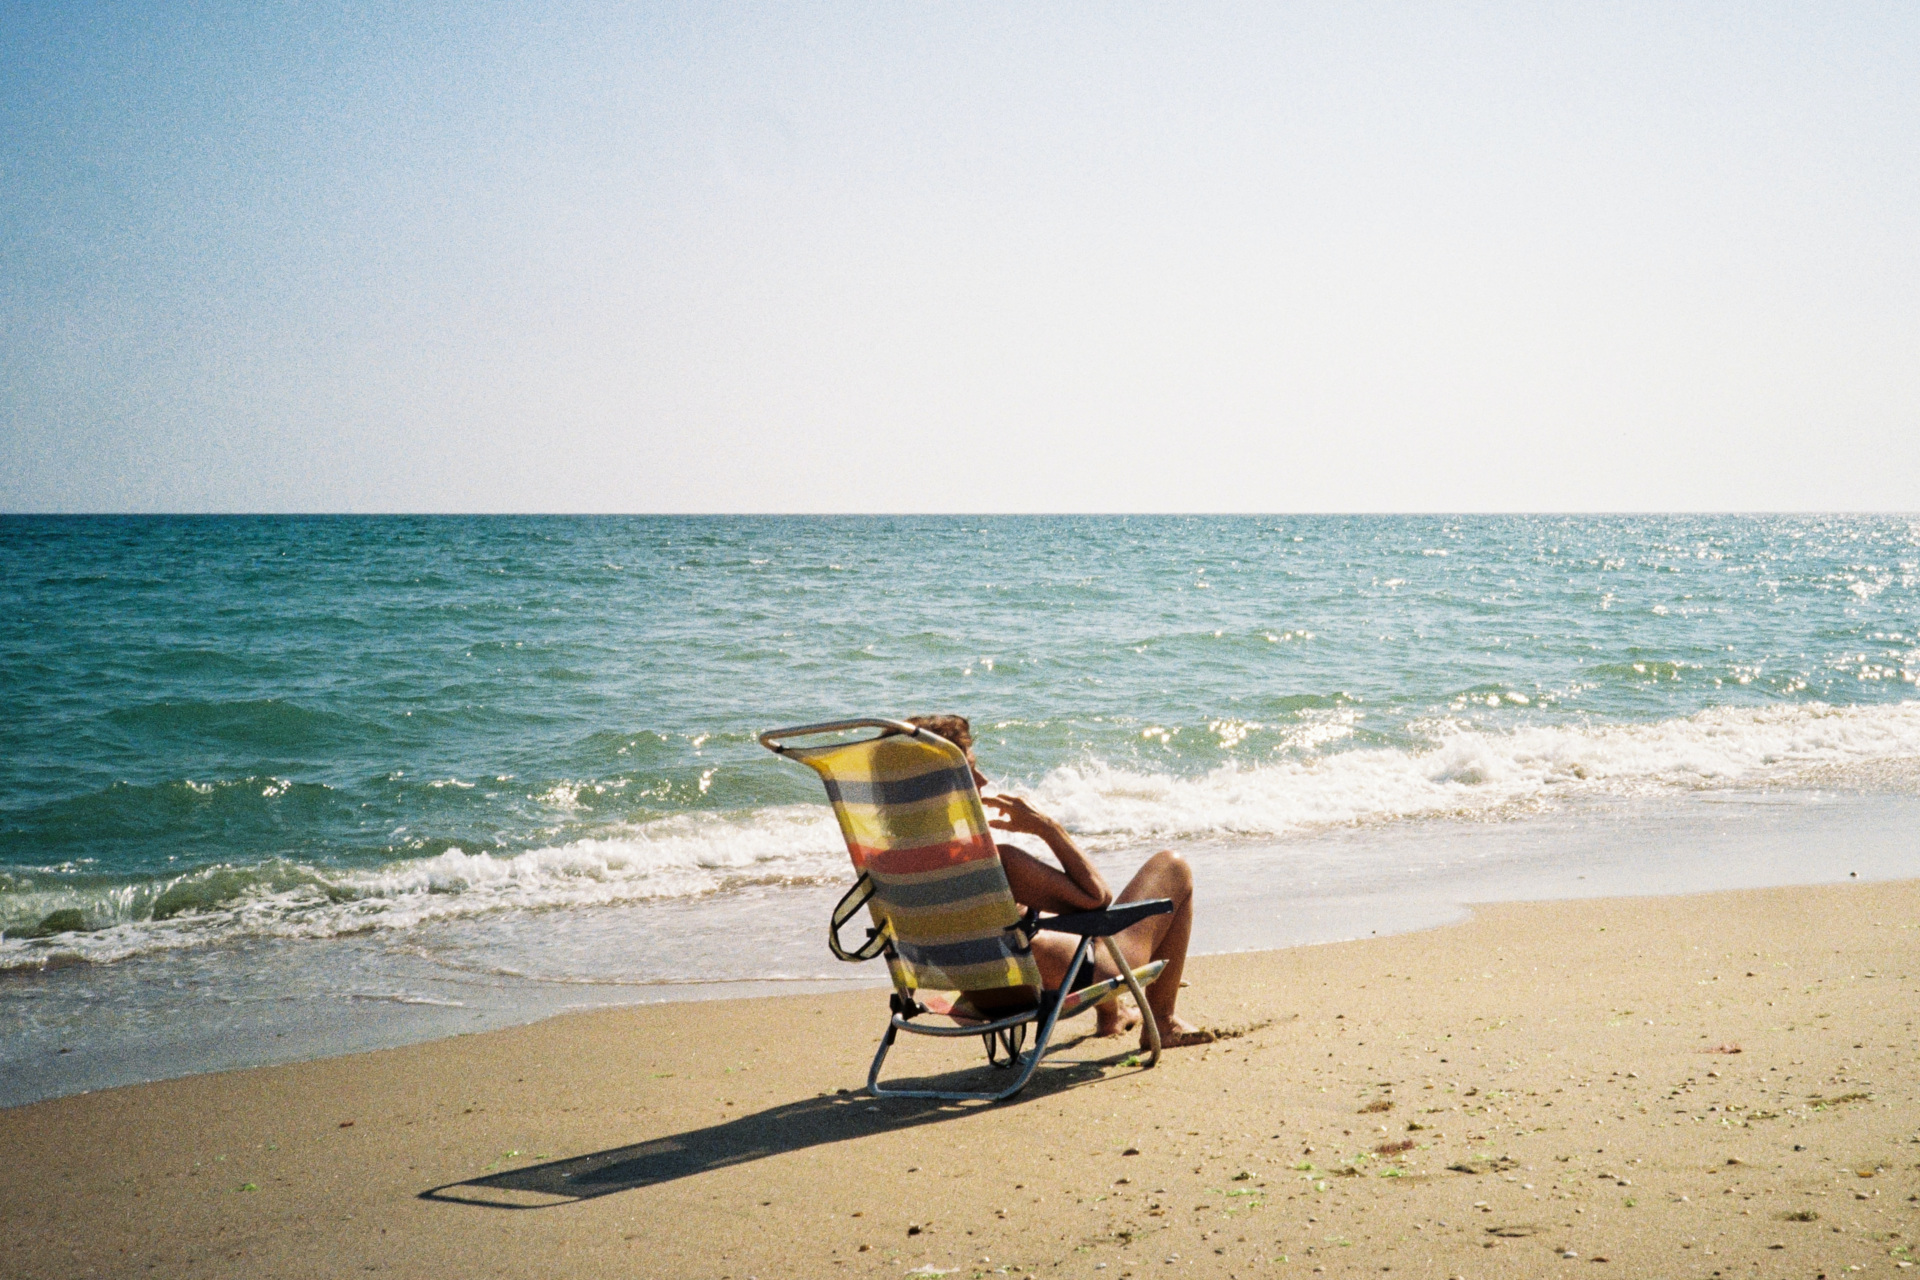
(850, 902)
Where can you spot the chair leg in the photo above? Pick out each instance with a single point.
(880, 1056)
(1040, 1042)
(1032, 1060)
(1147, 1019)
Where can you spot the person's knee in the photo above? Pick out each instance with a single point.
(1171, 870)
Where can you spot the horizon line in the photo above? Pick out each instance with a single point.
(982, 515)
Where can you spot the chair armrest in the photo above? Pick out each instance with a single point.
(1107, 921)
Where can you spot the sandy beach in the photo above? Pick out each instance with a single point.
(1716, 1085)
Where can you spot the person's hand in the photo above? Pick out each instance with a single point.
(1017, 816)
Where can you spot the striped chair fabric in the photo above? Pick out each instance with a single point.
(913, 824)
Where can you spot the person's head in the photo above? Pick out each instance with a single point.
(956, 730)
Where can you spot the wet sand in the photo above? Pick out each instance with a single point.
(1722, 1084)
(278, 1000)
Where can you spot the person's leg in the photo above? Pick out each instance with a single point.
(1164, 875)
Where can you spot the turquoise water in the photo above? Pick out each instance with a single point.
(227, 729)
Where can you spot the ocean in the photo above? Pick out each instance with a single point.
(273, 787)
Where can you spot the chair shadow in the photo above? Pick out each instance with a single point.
(791, 1126)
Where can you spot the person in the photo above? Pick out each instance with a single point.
(1077, 885)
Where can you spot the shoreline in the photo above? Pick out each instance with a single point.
(275, 1002)
(1678, 1084)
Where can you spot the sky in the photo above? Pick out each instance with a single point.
(959, 257)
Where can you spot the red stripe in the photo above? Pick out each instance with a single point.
(931, 857)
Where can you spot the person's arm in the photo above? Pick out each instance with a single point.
(1076, 885)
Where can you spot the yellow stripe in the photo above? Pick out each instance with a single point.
(1015, 971)
(956, 802)
(980, 917)
(887, 760)
(935, 821)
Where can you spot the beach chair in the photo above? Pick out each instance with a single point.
(959, 948)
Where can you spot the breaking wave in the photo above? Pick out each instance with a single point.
(683, 856)
(1457, 771)
(1464, 771)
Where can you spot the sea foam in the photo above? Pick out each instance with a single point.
(1469, 772)
(1458, 771)
(683, 856)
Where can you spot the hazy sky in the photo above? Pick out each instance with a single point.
(552, 257)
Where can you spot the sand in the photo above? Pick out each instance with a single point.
(1722, 1085)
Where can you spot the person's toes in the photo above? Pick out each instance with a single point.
(1179, 1033)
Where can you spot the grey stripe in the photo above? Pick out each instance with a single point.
(901, 790)
(951, 955)
(920, 894)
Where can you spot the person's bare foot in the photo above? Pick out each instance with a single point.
(1179, 1033)
(1114, 1018)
